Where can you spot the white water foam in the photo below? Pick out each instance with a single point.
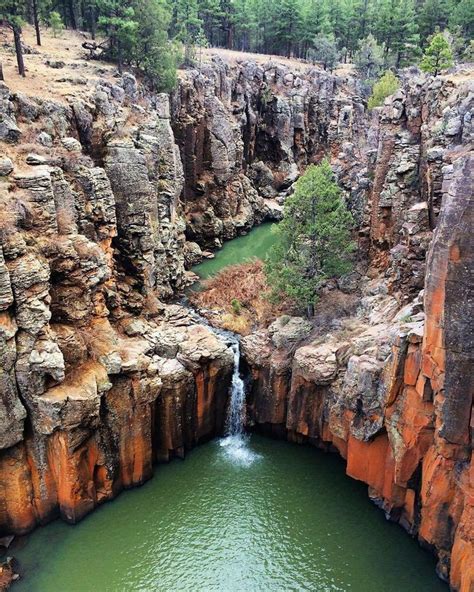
(235, 442)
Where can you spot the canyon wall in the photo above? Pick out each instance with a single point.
(109, 192)
(388, 382)
(99, 379)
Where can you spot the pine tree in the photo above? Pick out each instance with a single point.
(188, 26)
(324, 51)
(369, 58)
(314, 238)
(152, 52)
(245, 24)
(438, 55)
(117, 20)
(56, 23)
(286, 26)
(12, 14)
(210, 13)
(463, 16)
(434, 15)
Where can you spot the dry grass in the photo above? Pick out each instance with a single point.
(44, 82)
(247, 284)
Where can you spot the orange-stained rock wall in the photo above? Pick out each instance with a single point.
(69, 473)
(418, 464)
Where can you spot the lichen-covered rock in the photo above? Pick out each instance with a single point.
(286, 331)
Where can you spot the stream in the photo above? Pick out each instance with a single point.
(256, 244)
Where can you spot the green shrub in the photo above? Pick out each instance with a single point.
(236, 306)
(56, 23)
(385, 87)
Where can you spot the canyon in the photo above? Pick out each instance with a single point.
(109, 195)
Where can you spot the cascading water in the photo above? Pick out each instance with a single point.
(235, 418)
(235, 441)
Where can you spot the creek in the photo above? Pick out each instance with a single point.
(256, 244)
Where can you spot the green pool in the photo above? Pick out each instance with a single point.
(257, 243)
(286, 518)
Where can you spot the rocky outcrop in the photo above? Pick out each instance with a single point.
(391, 390)
(107, 194)
(99, 380)
(246, 131)
(151, 392)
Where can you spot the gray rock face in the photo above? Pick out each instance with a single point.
(287, 331)
(246, 132)
(6, 166)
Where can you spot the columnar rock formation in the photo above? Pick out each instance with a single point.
(390, 385)
(98, 378)
(107, 195)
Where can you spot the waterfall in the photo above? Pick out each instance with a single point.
(235, 417)
(235, 441)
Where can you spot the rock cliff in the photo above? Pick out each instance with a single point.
(389, 385)
(109, 192)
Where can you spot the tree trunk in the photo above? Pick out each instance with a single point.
(230, 37)
(119, 57)
(18, 50)
(92, 21)
(72, 14)
(36, 21)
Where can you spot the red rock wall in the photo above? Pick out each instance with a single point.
(69, 473)
(418, 462)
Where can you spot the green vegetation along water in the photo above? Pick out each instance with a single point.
(256, 244)
(288, 521)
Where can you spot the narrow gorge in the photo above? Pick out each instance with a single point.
(110, 194)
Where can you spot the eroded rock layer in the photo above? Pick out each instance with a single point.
(108, 193)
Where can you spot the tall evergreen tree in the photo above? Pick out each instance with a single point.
(117, 20)
(153, 52)
(369, 58)
(188, 26)
(434, 15)
(314, 238)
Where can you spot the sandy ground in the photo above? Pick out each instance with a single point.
(42, 80)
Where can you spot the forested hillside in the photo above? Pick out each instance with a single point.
(155, 36)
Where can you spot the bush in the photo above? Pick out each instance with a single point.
(314, 239)
(385, 87)
(236, 306)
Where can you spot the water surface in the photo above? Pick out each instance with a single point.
(256, 244)
(288, 521)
